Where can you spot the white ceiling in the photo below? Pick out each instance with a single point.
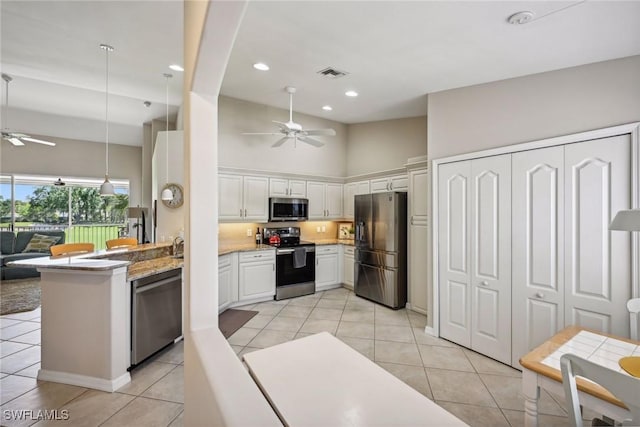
(396, 52)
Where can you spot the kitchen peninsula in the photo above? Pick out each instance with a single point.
(86, 312)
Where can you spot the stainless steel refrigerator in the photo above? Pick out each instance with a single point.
(381, 248)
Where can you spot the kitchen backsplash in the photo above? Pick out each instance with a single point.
(236, 233)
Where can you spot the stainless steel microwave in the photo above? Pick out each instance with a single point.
(284, 209)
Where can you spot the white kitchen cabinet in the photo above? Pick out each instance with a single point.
(348, 265)
(351, 190)
(391, 183)
(256, 275)
(327, 267)
(243, 198)
(227, 281)
(280, 187)
(418, 240)
(475, 274)
(325, 200)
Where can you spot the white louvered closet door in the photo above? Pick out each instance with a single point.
(490, 283)
(453, 247)
(598, 261)
(538, 249)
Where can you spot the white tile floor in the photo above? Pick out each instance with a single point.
(479, 390)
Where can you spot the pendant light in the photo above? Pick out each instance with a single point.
(167, 194)
(106, 189)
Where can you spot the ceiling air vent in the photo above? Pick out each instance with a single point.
(332, 73)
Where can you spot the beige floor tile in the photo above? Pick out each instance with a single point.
(243, 336)
(91, 408)
(283, 323)
(302, 335)
(143, 412)
(357, 303)
(516, 419)
(363, 346)
(326, 313)
(46, 395)
(355, 330)
(305, 301)
(476, 416)
(337, 294)
(444, 358)
(459, 387)
(385, 316)
(18, 329)
(10, 347)
(170, 387)
(3, 375)
(4, 322)
(259, 321)
(417, 320)
(331, 303)
(32, 338)
(31, 371)
(316, 325)
(358, 316)
(145, 376)
(394, 333)
(396, 352)
(25, 315)
(18, 361)
(247, 350)
(414, 376)
(237, 348)
(267, 338)
(173, 354)
(296, 311)
(178, 421)
(507, 392)
(486, 365)
(426, 339)
(13, 386)
(267, 308)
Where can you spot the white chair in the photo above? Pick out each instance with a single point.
(633, 305)
(624, 387)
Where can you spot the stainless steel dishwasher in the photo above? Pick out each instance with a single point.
(156, 313)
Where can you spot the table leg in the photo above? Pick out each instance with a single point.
(531, 393)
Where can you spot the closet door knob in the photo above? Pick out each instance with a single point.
(484, 283)
(539, 295)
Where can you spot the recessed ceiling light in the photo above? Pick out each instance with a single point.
(351, 93)
(176, 67)
(261, 66)
(327, 108)
(520, 18)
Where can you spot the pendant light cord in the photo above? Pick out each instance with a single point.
(106, 113)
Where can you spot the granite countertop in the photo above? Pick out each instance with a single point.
(142, 269)
(348, 242)
(227, 248)
(107, 253)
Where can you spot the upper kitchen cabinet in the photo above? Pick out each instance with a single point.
(243, 198)
(351, 190)
(391, 183)
(325, 200)
(279, 187)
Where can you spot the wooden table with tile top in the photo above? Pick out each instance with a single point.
(541, 369)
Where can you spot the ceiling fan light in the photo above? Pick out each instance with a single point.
(39, 141)
(106, 189)
(167, 194)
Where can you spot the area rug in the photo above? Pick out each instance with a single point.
(19, 295)
(232, 320)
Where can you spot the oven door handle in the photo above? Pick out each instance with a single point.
(291, 250)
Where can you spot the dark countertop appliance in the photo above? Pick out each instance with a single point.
(295, 262)
(288, 209)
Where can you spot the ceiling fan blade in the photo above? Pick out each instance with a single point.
(39, 141)
(327, 132)
(261, 133)
(15, 141)
(279, 142)
(311, 141)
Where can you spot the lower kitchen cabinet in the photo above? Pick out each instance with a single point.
(348, 273)
(256, 275)
(227, 281)
(327, 267)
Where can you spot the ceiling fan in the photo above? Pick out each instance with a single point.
(294, 130)
(16, 138)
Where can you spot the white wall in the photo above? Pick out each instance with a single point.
(77, 159)
(254, 152)
(385, 145)
(534, 107)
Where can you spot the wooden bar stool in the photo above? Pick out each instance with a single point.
(68, 249)
(122, 242)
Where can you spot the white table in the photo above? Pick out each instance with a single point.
(320, 381)
(541, 369)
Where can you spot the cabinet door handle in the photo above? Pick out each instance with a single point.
(316, 261)
(540, 295)
(484, 283)
(412, 220)
(240, 212)
(273, 267)
(245, 213)
(391, 186)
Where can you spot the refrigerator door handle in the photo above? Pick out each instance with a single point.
(378, 267)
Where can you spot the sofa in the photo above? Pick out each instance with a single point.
(12, 248)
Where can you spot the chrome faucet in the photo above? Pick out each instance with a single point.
(178, 247)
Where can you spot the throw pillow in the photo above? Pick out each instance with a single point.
(41, 243)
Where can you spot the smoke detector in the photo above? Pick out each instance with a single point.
(332, 73)
(520, 18)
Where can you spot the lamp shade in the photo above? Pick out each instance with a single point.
(106, 189)
(167, 194)
(626, 220)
